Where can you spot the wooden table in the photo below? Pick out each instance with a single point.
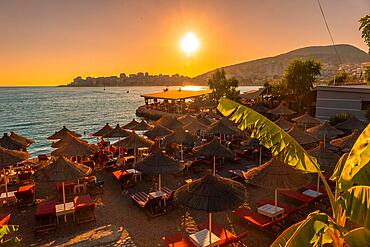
(6, 199)
(201, 239)
(136, 173)
(311, 193)
(270, 211)
(156, 194)
(61, 211)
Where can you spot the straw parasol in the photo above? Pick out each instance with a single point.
(117, 132)
(59, 134)
(158, 163)
(283, 123)
(65, 141)
(8, 142)
(75, 147)
(11, 157)
(103, 131)
(21, 139)
(180, 136)
(169, 122)
(351, 124)
(259, 108)
(276, 175)
(306, 120)
(212, 194)
(213, 148)
(324, 131)
(301, 136)
(326, 158)
(186, 119)
(142, 126)
(281, 110)
(195, 126)
(346, 142)
(220, 128)
(130, 125)
(158, 131)
(206, 121)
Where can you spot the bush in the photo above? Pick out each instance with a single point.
(339, 118)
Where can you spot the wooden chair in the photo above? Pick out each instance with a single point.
(26, 195)
(84, 209)
(226, 237)
(151, 205)
(45, 217)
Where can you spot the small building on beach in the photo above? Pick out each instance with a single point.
(331, 100)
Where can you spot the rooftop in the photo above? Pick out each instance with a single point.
(176, 94)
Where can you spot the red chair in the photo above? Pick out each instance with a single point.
(295, 195)
(4, 219)
(45, 216)
(26, 194)
(84, 209)
(226, 237)
(257, 219)
(177, 240)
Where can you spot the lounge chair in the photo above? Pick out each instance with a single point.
(298, 196)
(169, 196)
(257, 219)
(4, 219)
(226, 237)
(124, 178)
(177, 240)
(143, 200)
(45, 216)
(26, 195)
(84, 209)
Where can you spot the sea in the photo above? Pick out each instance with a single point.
(37, 112)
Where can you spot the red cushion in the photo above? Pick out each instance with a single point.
(45, 208)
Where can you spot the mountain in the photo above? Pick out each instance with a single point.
(259, 71)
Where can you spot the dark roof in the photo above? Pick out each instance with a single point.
(103, 131)
(159, 163)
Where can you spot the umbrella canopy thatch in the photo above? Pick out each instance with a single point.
(180, 136)
(142, 126)
(283, 123)
(103, 131)
(346, 142)
(186, 119)
(66, 140)
(206, 121)
(117, 132)
(9, 143)
(220, 128)
(134, 141)
(158, 131)
(195, 126)
(259, 108)
(301, 136)
(159, 163)
(75, 147)
(11, 157)
(306, 120)
(130, 125)
(281, 110)
(213, 148)
(212, 194)
(21, 139)
(168, 122)
(275, 174)
(61, 170)
(324, 131)
(326, 158)
(351, 124)
(61, 133)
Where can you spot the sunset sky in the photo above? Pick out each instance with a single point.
(46, 42)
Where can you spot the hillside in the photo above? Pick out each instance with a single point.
(257, 72)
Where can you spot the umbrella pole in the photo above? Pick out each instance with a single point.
(260, 155)
(214, 165)
(210, 228)
(159, 182)
(181, 153)
(6, 184)
(134, 158)
(276, 198)
(318, 183)
(64, 195)
(324, 139)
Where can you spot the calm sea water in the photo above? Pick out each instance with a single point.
(37, 112)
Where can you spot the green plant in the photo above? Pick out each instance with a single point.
(223, 87)
(365, 29)
(367, 74)
(339, 118)
(7, 230)
(339, 79)
(352, 194)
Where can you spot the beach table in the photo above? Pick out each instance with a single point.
(7, 199)
(270, 211)
(61, 211)
(156, 194)
(201, 239)
(136, 173)
(311, 193)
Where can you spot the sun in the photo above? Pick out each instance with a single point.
(189, 43)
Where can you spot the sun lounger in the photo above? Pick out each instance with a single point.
(226, 237)
(45, 216)
(124, 178)
(239, 174)
(26, 194)
(298, 196)
(84, 209)
(4, 219)
(257, 219)
(143, 200)
(177, 240)
(287, 209)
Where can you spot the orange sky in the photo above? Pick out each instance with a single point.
(46, 42)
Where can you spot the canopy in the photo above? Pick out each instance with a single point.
(8, 142)
(180, 136)
(219, 127)
(61, 133)
(283, 123)
(142, 126)
(134, 141)
(206, 121)
(280, 110)
(11, 157)
(66, 140)
(75, 147)
(21, 139)
(103, 131)
(324, 131)
(186, 119)
(346, 142)
(212, 194)
(213, 148)
(117, 132)
(168, 122)
(306, 119)
(195, 126)
(326, 158)
(259, 108)
(301, 136)
(130, 125)
(158, 132)
(159, 163)
(351, 124)
(61, 170)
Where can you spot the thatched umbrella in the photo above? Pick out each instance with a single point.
(158, 131)
(283, 123)
(212, 194)
(326, 158)
(180, 136)
(195, 126)
(281, 110)
(346, 142)
(61, 170)
(220, 128)
(213, 148)
(276, 175)
(206, 121)
(103, 131)
(158, 163)
(130, 125)
(117, 132)
(142, 126)
(21, 139)
(61, 133)
(325, 131)
(351, 124)
(259, 108)
(186, 119)
(169, 122)
(301, 136)
(306, 120)
(75, 147)
(66, 140)
(9, 143)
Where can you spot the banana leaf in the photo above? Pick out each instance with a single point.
(358, 237)
(284, 237)
(339, 167)
(356, 170)
(6, 230)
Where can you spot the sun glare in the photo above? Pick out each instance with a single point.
(190, 43)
